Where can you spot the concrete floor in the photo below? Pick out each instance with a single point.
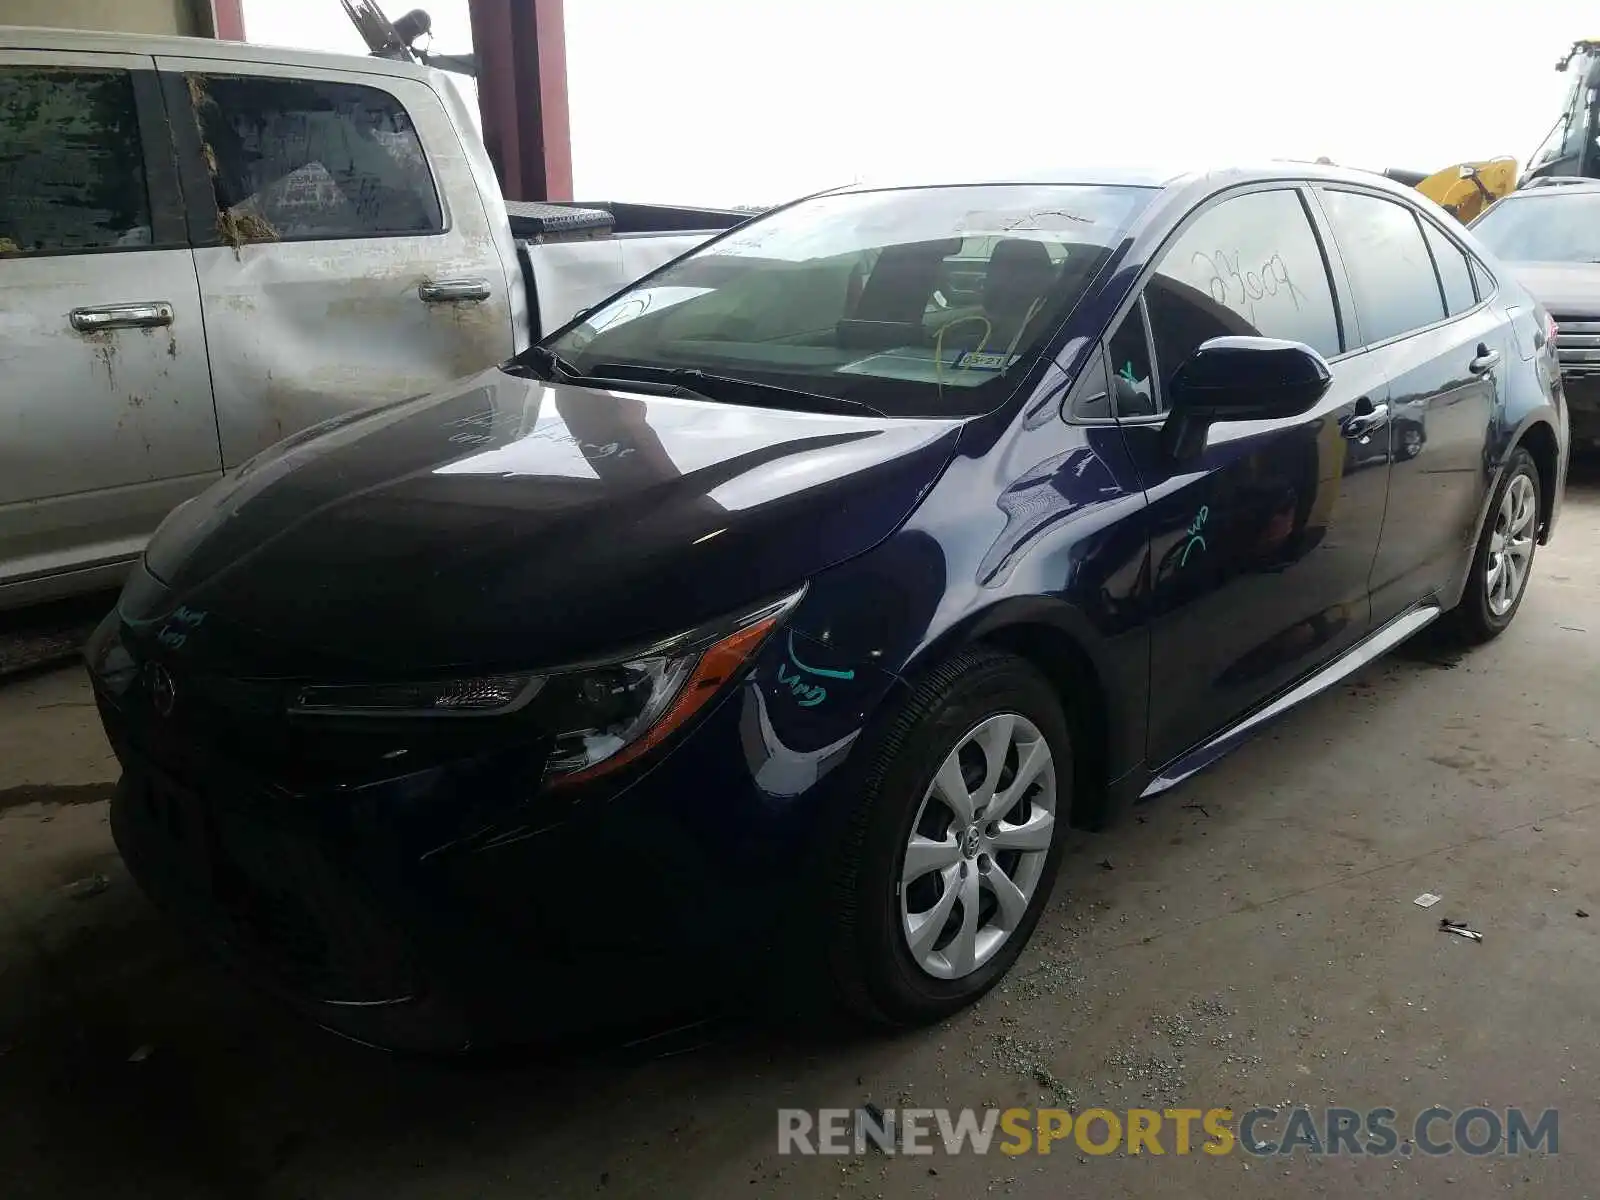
(1254, 942)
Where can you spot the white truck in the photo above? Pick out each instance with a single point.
(206, 247)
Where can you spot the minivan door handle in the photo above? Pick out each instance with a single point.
(149, 315)
(1487, 360)
(445, 291)
(1367, 418)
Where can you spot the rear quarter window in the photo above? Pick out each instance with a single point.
(1455, 273)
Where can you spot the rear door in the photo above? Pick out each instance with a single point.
(1260, 547)
(106, 418)
(344, 251)
(1444, 351)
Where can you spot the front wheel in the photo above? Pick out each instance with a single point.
(942, 874)
(1503, 562)
(1410, 440)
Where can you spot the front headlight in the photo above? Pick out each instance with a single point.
(600, 715)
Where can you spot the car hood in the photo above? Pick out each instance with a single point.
(515, 523)
(1565, 289)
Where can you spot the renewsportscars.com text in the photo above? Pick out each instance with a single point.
(1261, 1132)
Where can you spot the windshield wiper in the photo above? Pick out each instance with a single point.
(549, 365)
(732, 390)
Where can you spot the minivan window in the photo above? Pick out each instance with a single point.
(72, 161)
(914, 301)
(309, 159)
(1553, 225)
(1249, 265)
(1390, 269)
(1455, 274)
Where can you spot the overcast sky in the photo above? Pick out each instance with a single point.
(722, 102)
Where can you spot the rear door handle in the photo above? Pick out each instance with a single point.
(1487, 360)
(1366, 420)
(148, 315)
(445, 291)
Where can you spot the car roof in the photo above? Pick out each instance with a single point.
(1167, 177)
(1558, 185)
(20, 37)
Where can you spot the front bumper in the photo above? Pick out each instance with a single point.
(1583, 409)
(463, 904)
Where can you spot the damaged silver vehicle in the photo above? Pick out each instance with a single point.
(206, 247)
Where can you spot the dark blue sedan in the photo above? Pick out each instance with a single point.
(773, 621)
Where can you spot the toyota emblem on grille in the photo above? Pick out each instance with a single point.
(163, 694)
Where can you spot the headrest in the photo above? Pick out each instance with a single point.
(1020, 271)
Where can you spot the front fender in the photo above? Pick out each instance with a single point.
(1062, 640)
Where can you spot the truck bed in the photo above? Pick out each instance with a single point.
(574, 255)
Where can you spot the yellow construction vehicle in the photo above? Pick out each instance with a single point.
(1570, 148)
(1465, 189)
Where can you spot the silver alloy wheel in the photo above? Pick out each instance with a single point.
(1511, 546)
(978, 846)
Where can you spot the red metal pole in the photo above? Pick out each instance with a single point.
(227, 19)
(522, 92)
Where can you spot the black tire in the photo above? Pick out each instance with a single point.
(872, 970)
(1473, 620)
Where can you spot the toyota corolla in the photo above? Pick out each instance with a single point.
(774, 621)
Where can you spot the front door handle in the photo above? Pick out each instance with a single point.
(446, 291)
(1487, 360)
(1367, 419)
(149, 315)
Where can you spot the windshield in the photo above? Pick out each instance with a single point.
(1552, 226)
(1566, 139)
(916, 302)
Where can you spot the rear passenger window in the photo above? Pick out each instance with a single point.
(1455, 275)
(1250, 265)
(1390, 269)
(306, 159)
(72, 161)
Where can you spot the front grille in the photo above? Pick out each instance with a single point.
(304, 916)
(1578, 346)
(263, 886)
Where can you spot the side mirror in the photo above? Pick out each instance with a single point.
(1241, 379)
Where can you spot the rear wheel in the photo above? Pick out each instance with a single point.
(1504, 558)
(942, 873)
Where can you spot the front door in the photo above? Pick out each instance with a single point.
(1260, 547)
(345, 255)
(106, 418)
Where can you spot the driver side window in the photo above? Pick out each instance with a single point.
(1250, 265)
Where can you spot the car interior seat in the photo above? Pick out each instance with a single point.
(1018, 282)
